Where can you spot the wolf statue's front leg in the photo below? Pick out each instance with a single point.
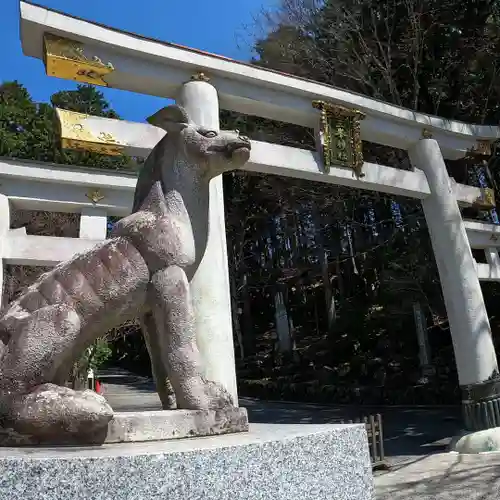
(159, 368)
(170, 300)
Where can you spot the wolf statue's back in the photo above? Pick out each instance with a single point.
(143, 270)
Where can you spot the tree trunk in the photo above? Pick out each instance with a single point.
(282, 322)
(247, 322)
(331, 313)
(235, 313)
(423, 341)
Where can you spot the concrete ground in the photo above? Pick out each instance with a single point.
(415, 440)
(443, 476)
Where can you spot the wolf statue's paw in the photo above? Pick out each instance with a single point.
(167, 395)
(51, 414)
(218, 397)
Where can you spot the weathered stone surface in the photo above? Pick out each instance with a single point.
(129, 427)
(270, 462)
(477, 442)
(144, 269)
(56, 415)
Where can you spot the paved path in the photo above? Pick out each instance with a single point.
(409, 432)
(447, 476)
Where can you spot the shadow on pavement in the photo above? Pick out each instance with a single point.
(444, 477)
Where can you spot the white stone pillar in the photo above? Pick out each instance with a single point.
(210, 284)
(93, 223)
(4, 228)
(470, 329)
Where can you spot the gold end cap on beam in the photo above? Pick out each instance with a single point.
(482, 149)
(65, 58)
(340, 136)
(487, 199)
(75, 134)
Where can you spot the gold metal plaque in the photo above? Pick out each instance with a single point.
(75, 134)
(340, 136)
(66, 59)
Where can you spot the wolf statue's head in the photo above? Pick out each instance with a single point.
(215, 152)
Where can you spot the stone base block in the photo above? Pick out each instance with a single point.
(130, 427)
(477, 442)
(271, 461)
(481, 405)
(175, 424)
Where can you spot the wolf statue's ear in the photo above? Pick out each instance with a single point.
(172, 118)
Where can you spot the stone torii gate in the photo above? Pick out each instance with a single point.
(79, 50)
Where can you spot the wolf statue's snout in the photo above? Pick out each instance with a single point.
(239, 150)
(241, 142)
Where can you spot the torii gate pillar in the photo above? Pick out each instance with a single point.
(4, 227)
(210, 284)
(470, 328)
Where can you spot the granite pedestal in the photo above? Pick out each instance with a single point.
(271, 461)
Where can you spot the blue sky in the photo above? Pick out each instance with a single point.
(217, 26)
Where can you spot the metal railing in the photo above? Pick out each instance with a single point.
(375, 433)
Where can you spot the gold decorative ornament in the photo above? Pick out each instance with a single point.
(200, 77)
(76, 134)
(340, 136)
(94, 196)
(487, 199)
(65, 58)
(426, 133)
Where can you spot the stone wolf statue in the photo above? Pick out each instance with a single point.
(143, 270)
